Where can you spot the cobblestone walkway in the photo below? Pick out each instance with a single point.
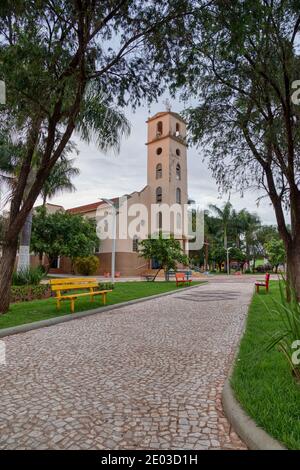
(147, 376)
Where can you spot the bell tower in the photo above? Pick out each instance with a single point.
(167, 158)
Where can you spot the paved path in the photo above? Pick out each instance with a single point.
(146, 376)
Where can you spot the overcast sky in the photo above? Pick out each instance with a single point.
(110, 175)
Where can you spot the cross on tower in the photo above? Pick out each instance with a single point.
(167, 104)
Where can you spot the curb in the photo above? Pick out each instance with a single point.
(253, 436)
(14, 330)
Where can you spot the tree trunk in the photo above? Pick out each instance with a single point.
(293, 270)
(7, 264)
(24, 248)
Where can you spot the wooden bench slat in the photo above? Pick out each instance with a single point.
(70, 280)
(83, 294)
(74, 286)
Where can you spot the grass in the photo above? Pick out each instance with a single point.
(262, 380)
(28, 312)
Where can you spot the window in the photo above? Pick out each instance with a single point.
(158, 151)
(158, 171)
(178, 172)
(158, 194)
(178, 152)
(159, 128)
(159, 220)
(177, 128)
(135, 243)
(178, 196)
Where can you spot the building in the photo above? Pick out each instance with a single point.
(166, 186)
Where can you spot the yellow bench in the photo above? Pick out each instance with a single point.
(76, 283)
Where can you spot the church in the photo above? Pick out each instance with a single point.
(166, 186)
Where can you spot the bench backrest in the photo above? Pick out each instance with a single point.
(180, 276)
(65, 284)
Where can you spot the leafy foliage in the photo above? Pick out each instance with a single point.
(62, 234)
(287, 336)
(29, 276)
(275, 252)
(23, 293)
(166, 251)
(86, 265)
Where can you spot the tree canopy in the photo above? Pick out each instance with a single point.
(62, 234)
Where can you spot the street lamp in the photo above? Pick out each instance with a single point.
(228, 267)
(114, 234)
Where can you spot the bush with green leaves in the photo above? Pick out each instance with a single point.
(27, 276)
(86, 265)
(23, 293)
(287, 337)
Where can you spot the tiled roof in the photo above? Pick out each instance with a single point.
(88, 207)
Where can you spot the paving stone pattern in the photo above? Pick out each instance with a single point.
(146, 376)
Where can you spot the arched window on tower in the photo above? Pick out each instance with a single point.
(158, 171)
(178, 196)
(159, 128)
(178, 172)
(177, 128)
(135, 243)
(159, 220)
(158, 194)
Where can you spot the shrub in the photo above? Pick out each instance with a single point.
(264, 268)
(26, 292)
(86, 265)
(29, 276)
(106, 285)
(287, 336)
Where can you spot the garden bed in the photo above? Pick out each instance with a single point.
(262, 380)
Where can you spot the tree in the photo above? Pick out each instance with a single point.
(60, 179)
(166, 251)
(62, 234)
(275, 252)
(224, 215)
(241, 59)
(239, 256)
(218, 255)
(67, 65)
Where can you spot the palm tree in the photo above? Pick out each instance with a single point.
(60, 179)
(225, 216)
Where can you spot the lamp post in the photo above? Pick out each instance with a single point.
(114, 235)
(228, 266)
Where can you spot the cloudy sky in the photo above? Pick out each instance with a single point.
(113, 175)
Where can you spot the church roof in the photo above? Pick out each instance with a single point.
(163, 113)
(89, 207)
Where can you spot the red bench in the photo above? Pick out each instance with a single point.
(182, 279)
(265, 284)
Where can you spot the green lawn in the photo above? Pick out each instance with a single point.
(262, 380)
(28, 312)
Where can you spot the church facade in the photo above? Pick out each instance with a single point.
(166, 187)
